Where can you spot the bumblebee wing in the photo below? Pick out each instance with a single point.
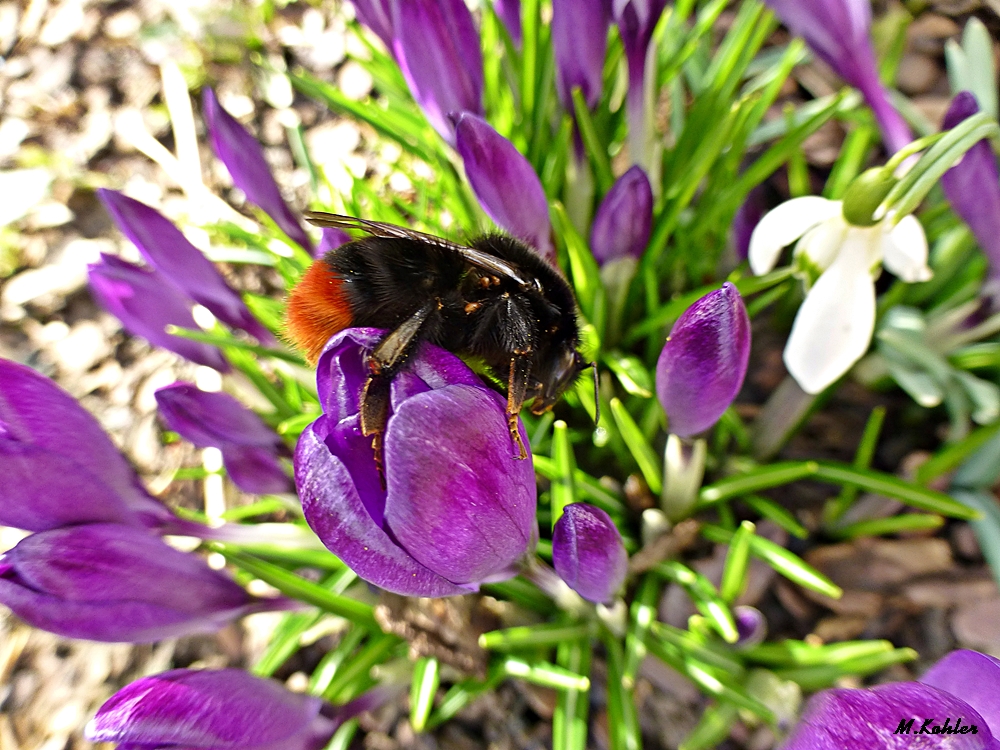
(477, 258)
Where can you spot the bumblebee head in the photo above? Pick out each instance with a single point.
(555, 375)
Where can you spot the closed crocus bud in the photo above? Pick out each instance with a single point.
(623, 221)
(108, 582)
(751, 627)
(146, 303)
(377, 16)
(838, 32)
(179, 262)
(973, 677)
(220, 709)
(887, 717)
(972, 187)
(587, 552)
(458, 508)
(636, 21)
(59, 468)
(704, 361)
(244, 158)
(437, 46)
(505, 183)
(580, 43)
(250, 448)
(509, 12)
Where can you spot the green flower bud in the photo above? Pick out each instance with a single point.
(865, 194)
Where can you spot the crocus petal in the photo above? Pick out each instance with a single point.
(509, 12)
(334, 510)
(331, 239)
(256, 470)
(107, 582)
(868, 719)
(458, 501)
(747, 217)
(219, 709)
(783, 225)
(973, 677)
(588, 553)
(904, 249)
(377, 16)
(146, 303)
(211, 419)
(249, 447)
(42, 490)
(973, 185)
(580, 42)
(179, 262)
(704, 361)
(838, 32)
(36, 412)
(505, 183)
(244, 158)
(624, 219)
(834, 325)
(437, 46)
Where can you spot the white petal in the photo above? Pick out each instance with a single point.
(904, 249)
(783, 225)
(820, 245)
(834, 326)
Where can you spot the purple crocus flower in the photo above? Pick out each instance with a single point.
(587, 552)
(509, 13)
(437, 47)
(179, 262)
(704, 361)
(108, 582)
(505, 183)
(838, 32)
(243, 157)
(869, 719)
(457, 509)
(973, 677)
(636, 21)
(377, 16)
(580, 43)
(59, 468)
(973, 188)
(953, 707)
(250, 448)
(751, 627)
(624, 219)
(217, 709)
(146, 303)
(747, 217)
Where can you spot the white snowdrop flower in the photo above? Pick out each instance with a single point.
(839, 263)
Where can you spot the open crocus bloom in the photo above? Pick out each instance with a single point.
(954, 706)
(456, 510)
(839, 263)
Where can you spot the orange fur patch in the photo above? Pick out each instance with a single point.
(316, 309)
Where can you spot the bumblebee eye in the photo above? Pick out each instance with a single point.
(537, 284)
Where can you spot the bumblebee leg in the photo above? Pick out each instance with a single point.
(383, 364)
(517, 389)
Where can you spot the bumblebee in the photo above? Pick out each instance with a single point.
(495, 299)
